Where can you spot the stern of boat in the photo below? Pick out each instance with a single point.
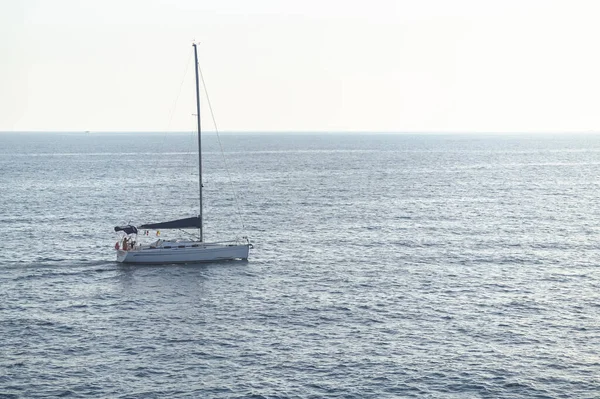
(121, 255)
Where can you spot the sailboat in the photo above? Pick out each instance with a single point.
(175, 250)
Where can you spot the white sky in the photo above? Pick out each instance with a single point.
(311, 65)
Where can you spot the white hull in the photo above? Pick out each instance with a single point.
(183, 253)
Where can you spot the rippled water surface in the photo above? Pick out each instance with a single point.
(384, 266)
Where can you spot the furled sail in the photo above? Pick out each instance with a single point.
(187, 223)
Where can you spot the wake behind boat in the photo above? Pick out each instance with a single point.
(176, 250)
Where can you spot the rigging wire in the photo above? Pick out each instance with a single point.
(160, 146)
(187, 66)
(191, 136)
(235, 197)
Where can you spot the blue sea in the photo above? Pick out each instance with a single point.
(384, 266)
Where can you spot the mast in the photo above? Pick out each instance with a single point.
(199, 142)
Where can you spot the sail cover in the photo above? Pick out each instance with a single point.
(129, 229)
(187, 223)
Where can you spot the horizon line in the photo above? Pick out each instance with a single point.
(416, 132)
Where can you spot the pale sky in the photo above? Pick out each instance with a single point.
(311, 65)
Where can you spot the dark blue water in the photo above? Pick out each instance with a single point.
(384, 266)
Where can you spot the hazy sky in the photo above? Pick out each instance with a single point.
(311, 65)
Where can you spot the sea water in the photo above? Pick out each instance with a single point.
(384, 266)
